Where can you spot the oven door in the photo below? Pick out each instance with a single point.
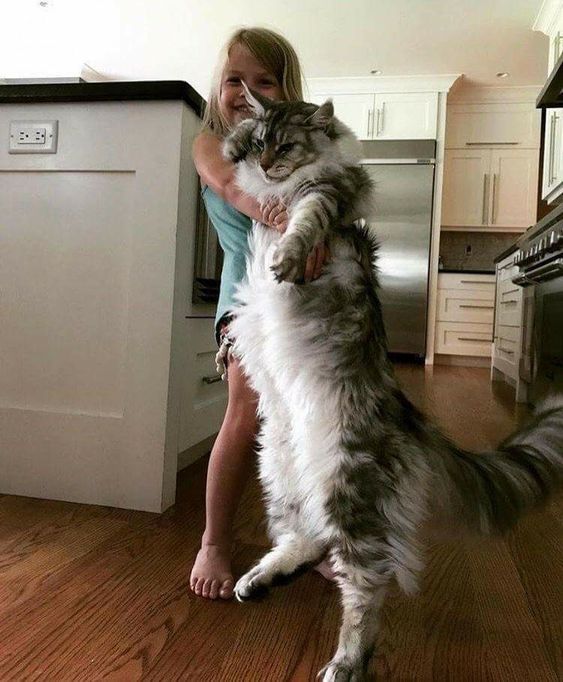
(548, 339)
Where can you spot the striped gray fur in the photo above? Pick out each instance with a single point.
(349, 467)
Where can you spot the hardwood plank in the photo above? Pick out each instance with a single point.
(90, 593)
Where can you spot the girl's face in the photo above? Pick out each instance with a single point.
(242, 66)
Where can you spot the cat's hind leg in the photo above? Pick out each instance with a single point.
(362, 597)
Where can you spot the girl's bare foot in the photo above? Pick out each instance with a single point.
(326, 570)
(211, 575)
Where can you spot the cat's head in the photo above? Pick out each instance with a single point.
(281, 137)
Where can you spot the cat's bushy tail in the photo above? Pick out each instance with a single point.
(491, 491)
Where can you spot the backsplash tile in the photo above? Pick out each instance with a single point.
(484, 249)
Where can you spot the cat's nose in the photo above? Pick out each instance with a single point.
(265, 165)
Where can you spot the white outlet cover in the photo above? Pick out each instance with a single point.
(51, 129)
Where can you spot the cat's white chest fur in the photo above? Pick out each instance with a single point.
(274, 340)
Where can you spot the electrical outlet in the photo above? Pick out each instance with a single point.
(31, 137)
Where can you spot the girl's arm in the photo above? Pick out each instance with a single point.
(215, 171)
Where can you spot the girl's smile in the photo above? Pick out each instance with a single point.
(243, 66)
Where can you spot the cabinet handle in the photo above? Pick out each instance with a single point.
(212, 379)
(505, 350)
(553, 169)
(474, 281)
(466, 305)
(471, 338)
(480, 144)
(370, 114)
(551, 149)
(485, 198)
(378, 116)
(509, 300)
(381, 121)
(493, 207)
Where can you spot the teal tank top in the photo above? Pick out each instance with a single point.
(232, 229)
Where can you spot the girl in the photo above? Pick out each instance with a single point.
(267, 63)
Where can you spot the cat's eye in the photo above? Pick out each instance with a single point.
(259, 143)
(283, 148)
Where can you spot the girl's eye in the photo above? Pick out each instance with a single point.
(283, 148)
(259, 143)
(233, 80)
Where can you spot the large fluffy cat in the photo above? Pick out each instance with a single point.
(349, 467)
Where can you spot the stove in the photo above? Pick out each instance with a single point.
(540, 262)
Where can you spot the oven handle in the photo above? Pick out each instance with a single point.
(539, 274)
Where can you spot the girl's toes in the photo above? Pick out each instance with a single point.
(214, 589)
(227, 589)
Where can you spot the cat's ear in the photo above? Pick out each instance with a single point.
(323, 116)
(257, 102)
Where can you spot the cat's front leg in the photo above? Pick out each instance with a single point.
(309, 222)
(290, 558)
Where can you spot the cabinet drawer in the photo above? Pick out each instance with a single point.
(204, 396)
(468, 281)
(457, 338)
(509, 306)
(460, 305)
(507, 343)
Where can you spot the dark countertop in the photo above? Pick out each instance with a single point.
(466, 271)
(506, 252)
(102, 92)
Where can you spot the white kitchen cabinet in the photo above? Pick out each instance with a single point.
(507, 339)
(509, 124)
(101, 366)
(490, 188)
(387, 116)
(464, 316)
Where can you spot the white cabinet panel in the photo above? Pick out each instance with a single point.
(203, 397)
(410, 116)
(354, 110)
(458, 338)
(459, 305)
(512, 123)
(514, 191)
(466, 189)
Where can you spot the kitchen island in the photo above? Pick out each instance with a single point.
(102, 350)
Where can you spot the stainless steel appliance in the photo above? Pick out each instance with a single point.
(403, 172)
(540, 262)
(208, 260)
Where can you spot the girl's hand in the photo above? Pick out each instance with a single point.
(274, 214)
(315, 261)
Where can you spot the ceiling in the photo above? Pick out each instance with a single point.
(170, 39)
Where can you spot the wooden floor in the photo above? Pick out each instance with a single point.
(92, 593)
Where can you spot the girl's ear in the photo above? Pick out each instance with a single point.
(257, 102)
(323, 115)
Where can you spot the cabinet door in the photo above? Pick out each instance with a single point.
(405, 116)
(514, 187)
(355, 111)
(466, 187)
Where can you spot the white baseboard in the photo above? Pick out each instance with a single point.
(462, 360)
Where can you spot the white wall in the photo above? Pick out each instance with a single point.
(179, 39)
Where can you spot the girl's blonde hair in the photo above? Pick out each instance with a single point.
(274, 53)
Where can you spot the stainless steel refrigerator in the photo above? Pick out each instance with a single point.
(403, 172)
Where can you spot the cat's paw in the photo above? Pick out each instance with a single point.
(251, 585)
(289, 260)
(341, 671)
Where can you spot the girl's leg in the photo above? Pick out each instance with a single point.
(230, 465)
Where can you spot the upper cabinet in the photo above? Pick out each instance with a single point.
(386, 116)
(510, 124)
(491, 166)
(490, 188)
